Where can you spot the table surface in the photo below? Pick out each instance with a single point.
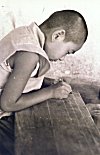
(57, 127)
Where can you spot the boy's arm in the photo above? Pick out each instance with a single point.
(12, 98)
(28, 100)
(48, 81)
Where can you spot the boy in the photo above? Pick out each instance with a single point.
(62, 33)
(24, 57)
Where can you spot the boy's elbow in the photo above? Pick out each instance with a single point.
(6, 106)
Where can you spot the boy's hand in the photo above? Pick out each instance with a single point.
(61, 90)
(94, 109)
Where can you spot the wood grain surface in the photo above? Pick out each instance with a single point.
(57, 127)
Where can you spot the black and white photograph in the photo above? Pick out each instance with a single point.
(49, 77)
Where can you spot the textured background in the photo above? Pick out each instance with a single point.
(86, 62)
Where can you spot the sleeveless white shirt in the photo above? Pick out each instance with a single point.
(26, 38)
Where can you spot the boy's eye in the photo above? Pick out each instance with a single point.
(73, 52)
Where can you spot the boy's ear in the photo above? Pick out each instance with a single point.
(58, 35)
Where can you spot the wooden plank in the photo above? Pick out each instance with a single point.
(34, 134)
(88, 121)
(57, 127)
(75, 131)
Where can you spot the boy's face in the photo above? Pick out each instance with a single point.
(58, 49)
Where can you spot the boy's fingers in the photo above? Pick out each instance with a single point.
(92, 106)
(65, 90)
(68, 89)
(95, 113)
(67, 86)
(64, 86)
